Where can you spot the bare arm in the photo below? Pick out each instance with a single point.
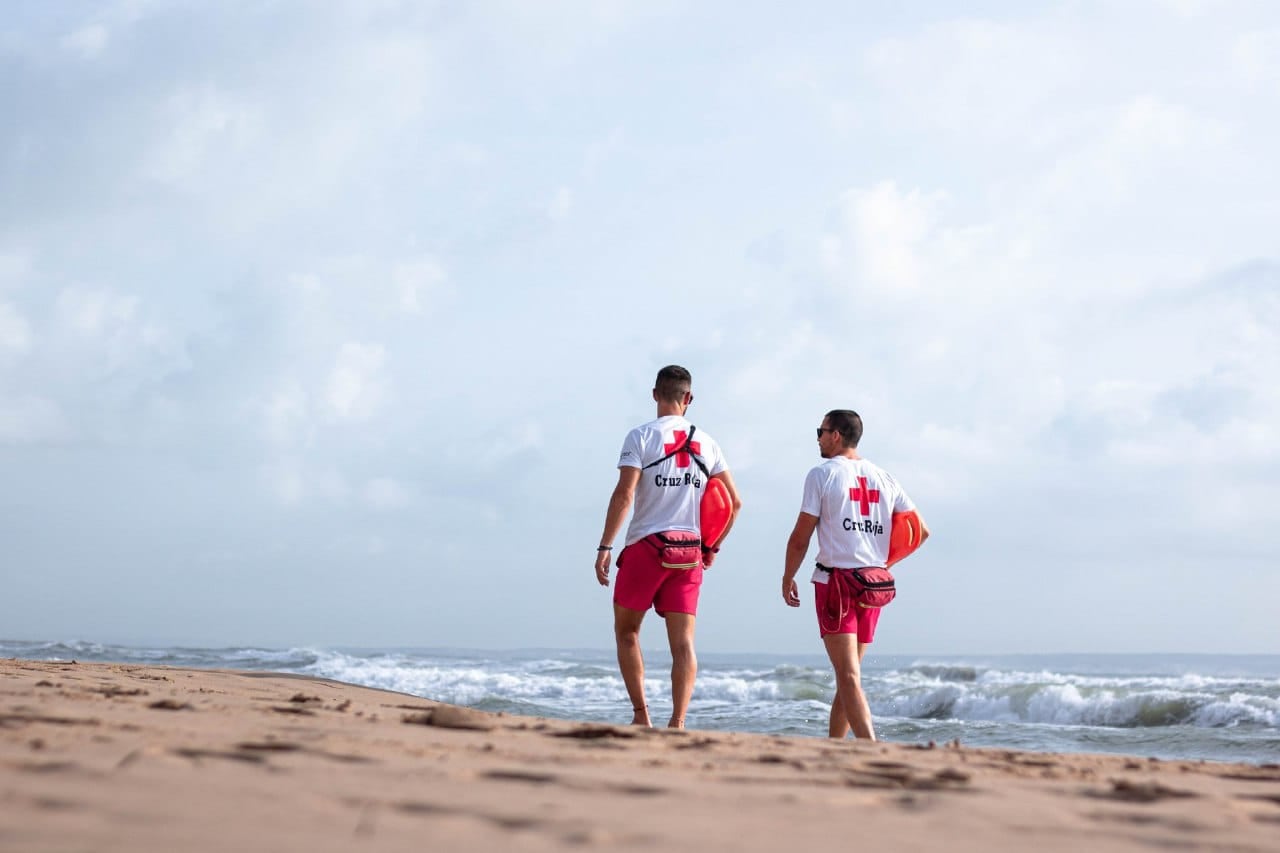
(797, 546)
(619, 505)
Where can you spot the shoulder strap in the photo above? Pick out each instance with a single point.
(684, 448)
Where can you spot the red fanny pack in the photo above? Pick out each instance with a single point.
(677, 549)
(868, 587)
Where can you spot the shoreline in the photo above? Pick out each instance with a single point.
(124, 756)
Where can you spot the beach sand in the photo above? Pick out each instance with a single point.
(116, 757)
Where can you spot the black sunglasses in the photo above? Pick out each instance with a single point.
(821, 430)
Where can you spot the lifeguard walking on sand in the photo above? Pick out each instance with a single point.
(853, 505)
(665, 467)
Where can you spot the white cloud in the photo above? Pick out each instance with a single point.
(287, 416)
(1148, 124)
(468, 154)
(560, 205)
(1255, 56)
(88, 42)
(1186, 8)
(408, 59)
(29, 420)
(599, 152)
(517, 440)
(1143, 145)
(885, 232)
(204, 132)
(385, 493)
(107, 333)
(1037, 366)
(356, 384)
(976, 78)
(95, 312)
(420, 280)
(15, 332)
(293, 483)
(14, 268)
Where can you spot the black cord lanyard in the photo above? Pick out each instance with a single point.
(684, 448)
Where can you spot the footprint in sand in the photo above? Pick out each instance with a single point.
(535, 778)
(1128, 791)
(770, 758)
(590, 732)
(521, 776)
(46, 766)
(269, 746)
(1148, 819)
(171, 705)
(197, 754)
(892, 774)
(111, 691)
(20, 719)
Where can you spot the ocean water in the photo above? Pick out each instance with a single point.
(1215, 707)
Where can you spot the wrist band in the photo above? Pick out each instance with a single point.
(605, 548)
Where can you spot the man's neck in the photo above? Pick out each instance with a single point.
(668, 409)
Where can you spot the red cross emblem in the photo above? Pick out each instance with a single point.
(678, 439)
(864, 497)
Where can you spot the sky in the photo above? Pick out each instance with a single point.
(322, 324)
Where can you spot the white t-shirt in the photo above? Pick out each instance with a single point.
(854, 501)
(669, 495)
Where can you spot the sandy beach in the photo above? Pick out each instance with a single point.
(106, 757)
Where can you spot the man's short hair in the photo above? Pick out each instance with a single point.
(672, 384)
(848, 424)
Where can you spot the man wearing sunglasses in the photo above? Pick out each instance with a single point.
(850, 502)
(664, 468)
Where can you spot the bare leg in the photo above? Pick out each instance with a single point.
(684, 665)
(843, 652)
(626, 630)
(838, 725)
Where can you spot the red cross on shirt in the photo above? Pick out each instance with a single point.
(864, 497)
(682, 458)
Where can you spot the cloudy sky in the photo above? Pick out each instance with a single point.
(322, 323)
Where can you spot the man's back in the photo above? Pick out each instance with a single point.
(669, 493)
(854, 501)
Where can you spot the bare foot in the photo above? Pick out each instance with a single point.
(676, 723)
(641, 717)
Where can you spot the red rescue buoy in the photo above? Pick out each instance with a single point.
(716, 510)
(904, 535)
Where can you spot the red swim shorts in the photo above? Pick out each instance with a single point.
(643, 582)
(857, 620)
